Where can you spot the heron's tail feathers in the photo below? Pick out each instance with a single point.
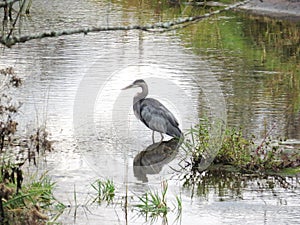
(175, 132)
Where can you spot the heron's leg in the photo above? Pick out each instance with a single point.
(153, 136)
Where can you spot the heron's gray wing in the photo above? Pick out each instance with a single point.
(151, 109)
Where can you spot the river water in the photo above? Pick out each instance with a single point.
(240, 69)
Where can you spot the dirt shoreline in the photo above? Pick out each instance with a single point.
(283, 9)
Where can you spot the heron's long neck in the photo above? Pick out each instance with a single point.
(141, 95)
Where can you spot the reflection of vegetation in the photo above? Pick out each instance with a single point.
(166, 10)
(228, 183)
(277, 37)
(266, 41)
(278, 46)
(259, 53)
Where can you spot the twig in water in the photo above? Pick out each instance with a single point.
(265, 138)
(15, 22)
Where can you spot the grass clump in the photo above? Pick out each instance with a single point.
(268, 156)
(236, 150)
(105, 190)
(240, 152)
(154, 204)
(34, 203)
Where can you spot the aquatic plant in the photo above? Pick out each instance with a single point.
(105, 190)
(154, 204)
(8, 106)
(238, 151)
(38, 143)
(240, 162)
(266, 157)
(20, 203)
(31, 204)
(235, 150)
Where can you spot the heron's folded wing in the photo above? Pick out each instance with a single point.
(151, 109)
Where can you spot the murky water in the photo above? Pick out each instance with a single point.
(233, 68)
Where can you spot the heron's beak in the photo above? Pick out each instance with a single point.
(129, 86)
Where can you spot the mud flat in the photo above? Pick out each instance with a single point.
(283, 9)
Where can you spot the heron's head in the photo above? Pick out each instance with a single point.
(137, 83)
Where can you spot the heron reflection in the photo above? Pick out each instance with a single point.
(154, 157)
(152, 113)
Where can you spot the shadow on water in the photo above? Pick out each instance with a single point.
(154, 157)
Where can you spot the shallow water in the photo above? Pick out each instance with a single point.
(229, 73)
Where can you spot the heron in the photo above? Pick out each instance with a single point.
(153, 113)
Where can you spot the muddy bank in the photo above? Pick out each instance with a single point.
(284, 9)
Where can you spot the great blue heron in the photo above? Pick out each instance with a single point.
(152, 113)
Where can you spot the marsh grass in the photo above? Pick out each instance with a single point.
(29, 202)
(33, 204)
(238, 151)
(266, 157)
(196, 143)
(105, 191)
(154, 204)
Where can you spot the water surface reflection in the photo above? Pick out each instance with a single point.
(154, 157)
(259, 70)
